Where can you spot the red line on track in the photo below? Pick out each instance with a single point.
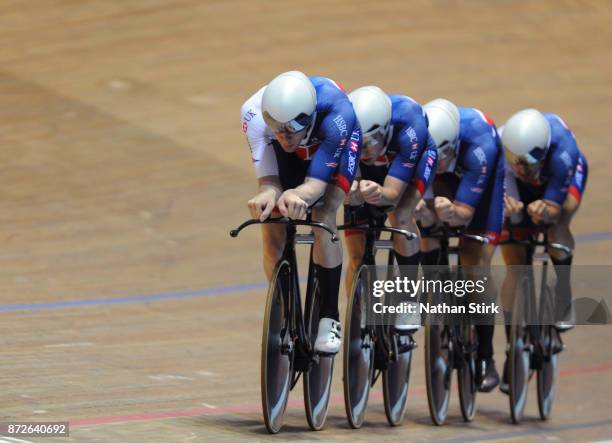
(251, 408)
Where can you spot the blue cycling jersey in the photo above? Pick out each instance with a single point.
(476, 177)
(480, 160)
(410, 153)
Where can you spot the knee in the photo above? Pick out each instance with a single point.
(402, 217)
(272, 249)
(325, 214)
(355, 257)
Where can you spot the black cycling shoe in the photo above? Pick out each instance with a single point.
(503, 386)
(487, 377)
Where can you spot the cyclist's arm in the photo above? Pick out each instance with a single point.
(415, 162)
(339, 152)
(548, 210)
(311, 190)
(270, 184)
(479, 164)
(259, 138)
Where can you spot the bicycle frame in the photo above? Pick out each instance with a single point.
(299, 340)
(533, 329)
(371, 231)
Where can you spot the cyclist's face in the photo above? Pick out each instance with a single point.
(444, 161)
(290, 141)
(524, 171)
(371, 149)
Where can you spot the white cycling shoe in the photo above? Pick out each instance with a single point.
(407, 322)
(329, 337)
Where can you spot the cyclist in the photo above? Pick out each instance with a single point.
(304, 136)
(397, 163)
(468, 191)
(544, 186)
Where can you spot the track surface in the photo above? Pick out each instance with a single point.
(123, 167)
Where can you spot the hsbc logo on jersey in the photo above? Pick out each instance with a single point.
(354, 146)
(341, 124)
(331, 164)
(565, 157)
(480, 155)
(410, 132)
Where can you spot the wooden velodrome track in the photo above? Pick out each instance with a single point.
(127, 309)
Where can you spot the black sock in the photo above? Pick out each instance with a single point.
(563, 289)
(329, 284)
(431, 258)
(507, 323)
(413, 260)
(485, 341)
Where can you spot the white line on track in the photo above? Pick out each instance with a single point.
(69, 345)
(165, 377)
(13, 440)
(208, 405)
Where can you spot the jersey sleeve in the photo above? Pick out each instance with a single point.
(337, 129)
(562, 166)
(412, 141)
(259, 139)
(426, 168)
(479, 164)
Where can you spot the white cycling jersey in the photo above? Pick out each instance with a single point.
(258, 136)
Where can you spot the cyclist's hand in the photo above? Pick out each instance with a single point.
(292, 206)
(513, 207)
(537, 210)
(423, 214)
(354, 198)
(445, 209)
(262, 205)
(371, 192)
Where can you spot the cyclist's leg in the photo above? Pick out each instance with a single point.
(327, 258)
(273, 242)
(476, 260)
(326, 254)
(514, 257)
(402, 217)
(355, 246)
(561, 233)
(407, 252)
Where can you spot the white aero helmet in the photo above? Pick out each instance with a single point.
(526, 137)
(372, 108)
(289, 102)
(444, 120)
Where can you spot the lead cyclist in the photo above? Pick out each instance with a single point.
(305, 143)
